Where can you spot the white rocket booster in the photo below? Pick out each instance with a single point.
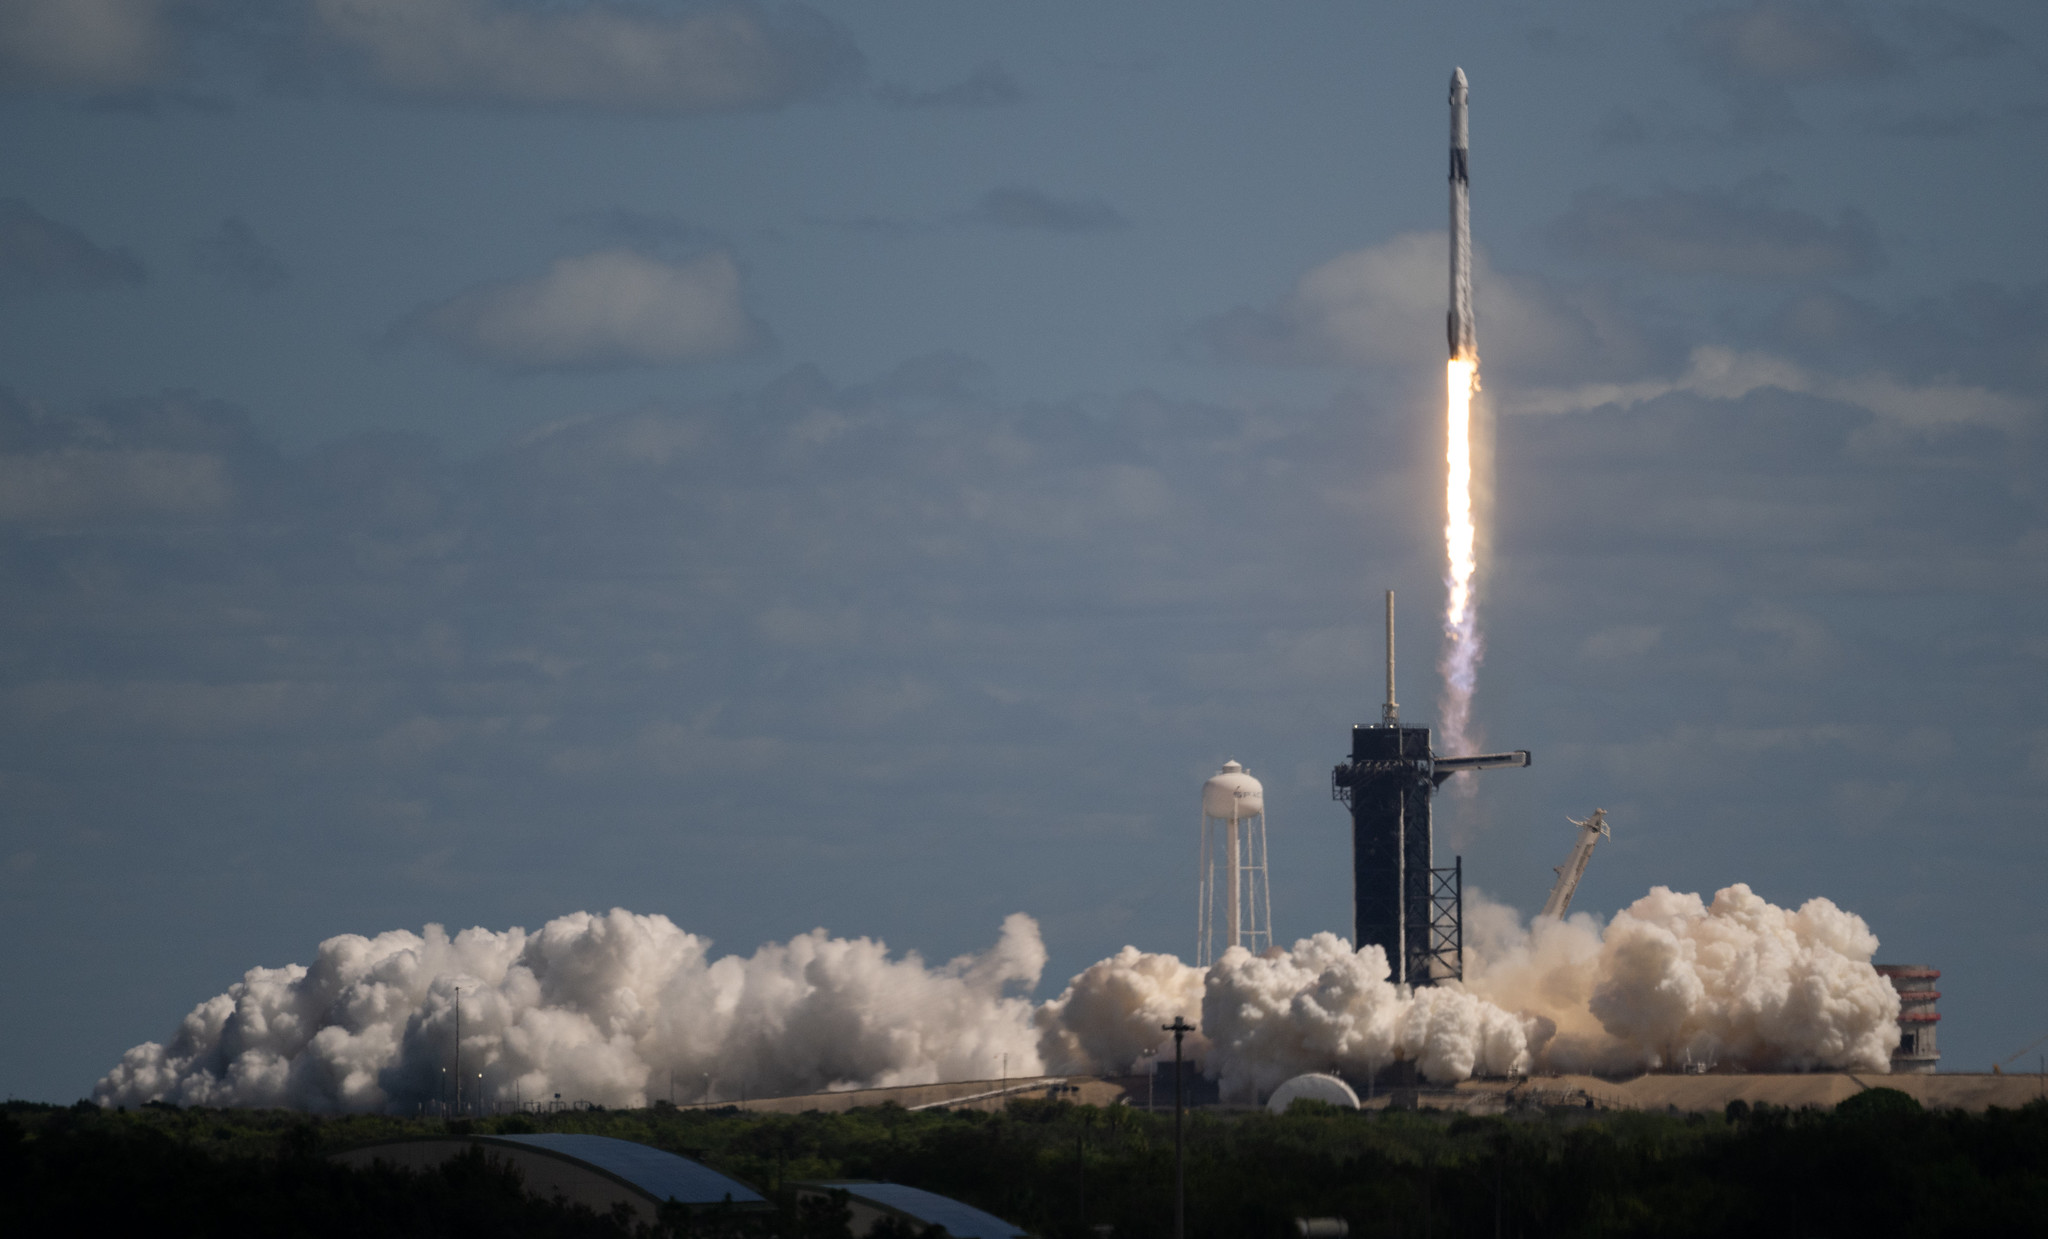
(1463, 333)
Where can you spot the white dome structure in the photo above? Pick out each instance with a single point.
(1315, 1086)
(1235, 902)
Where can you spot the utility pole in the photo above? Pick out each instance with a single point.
(1081, 1164)
(1179, 1028)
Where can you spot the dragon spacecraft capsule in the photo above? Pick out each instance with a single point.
(1459, 323)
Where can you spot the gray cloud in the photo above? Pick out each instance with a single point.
(1383, 306)
(592, 54)
(1714, 232)
(1758, 53)
(781, 649)
(1630, 126)
(874, 225)
(989, 86)
(1900, 408)
(1942, 34)
(824, 576)
(611, 307)
(1989, 333)
(234, 255)
(174, 457)
(82, 483)
(92, 45)
(947, 376)
(1954, 122)
(644, 230)
(1020, 206)
(1006, 206)
(38, 254)
(158, 101)
(1789, 43)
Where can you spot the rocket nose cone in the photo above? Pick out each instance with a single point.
(1457, 79)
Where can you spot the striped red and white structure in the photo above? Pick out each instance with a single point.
(1917, 1017)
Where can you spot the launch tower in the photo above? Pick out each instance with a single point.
(1400, 900)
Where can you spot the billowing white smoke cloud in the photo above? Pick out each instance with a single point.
(1265, 1018)
(1114, 1012)
(604, 1008)
(1323, 1005)
(1672, 980)
(597, 1008)
(1737, 982)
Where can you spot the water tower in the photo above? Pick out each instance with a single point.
(1234, 886)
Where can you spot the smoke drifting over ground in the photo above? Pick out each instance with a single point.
(597, 1008)
(1671, 980)
(605, 1008)
(1264, 1018)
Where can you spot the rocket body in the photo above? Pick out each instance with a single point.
(1459, 323)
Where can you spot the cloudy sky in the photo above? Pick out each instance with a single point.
(863, 466)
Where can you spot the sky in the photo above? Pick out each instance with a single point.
(864, 465)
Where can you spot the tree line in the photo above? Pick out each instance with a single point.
(1876, 1164)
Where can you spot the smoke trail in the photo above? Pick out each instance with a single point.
(611, 1008)
(1462, 646)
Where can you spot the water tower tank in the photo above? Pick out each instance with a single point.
(1231, 793)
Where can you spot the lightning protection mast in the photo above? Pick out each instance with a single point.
(1574, 867)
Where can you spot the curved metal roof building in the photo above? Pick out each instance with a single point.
(598, 1171)
(872, 1201)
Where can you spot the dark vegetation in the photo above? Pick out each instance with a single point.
(1876, 1165)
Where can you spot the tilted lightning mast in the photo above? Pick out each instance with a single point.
(1574, 867)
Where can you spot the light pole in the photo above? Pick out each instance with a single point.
(458, 1050)
(1179, 1028)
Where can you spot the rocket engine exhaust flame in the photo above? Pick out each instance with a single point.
(1462, 645)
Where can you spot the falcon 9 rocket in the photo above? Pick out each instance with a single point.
(1463, 334)
(1462, 644)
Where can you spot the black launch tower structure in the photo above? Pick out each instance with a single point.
(1401, 901)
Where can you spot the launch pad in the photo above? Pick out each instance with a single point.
(1401, 900)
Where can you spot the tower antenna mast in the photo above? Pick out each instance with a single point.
(1390, 713)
